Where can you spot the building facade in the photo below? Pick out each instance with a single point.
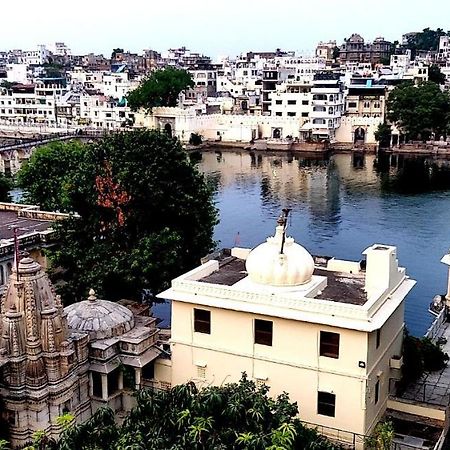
(329, 332)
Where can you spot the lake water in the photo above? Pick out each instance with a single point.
(340, 205)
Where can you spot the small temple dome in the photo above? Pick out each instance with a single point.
(266, 264)
(101, 319)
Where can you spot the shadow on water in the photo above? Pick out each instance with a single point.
(412, 174)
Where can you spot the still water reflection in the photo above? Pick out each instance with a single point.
(341, 205)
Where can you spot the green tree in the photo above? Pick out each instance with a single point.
(212, 418)
(49, 176)
(435, 75)
(426, 40)
(145, 213)
(420, 110)
(161, 88)
(382, 437)
(383, 135)
(116, 51)
(335, 54)
(5, 187)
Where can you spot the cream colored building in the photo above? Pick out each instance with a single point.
(329, 332)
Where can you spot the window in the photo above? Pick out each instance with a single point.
(378, 337)
(305, 102)
(263, 332)
(96, 384)
(291, 114)
(278, 113)
(292, 102)
(201, 372)
(202, 321)
(278, 102)
(352, 104)
(305, 114)
(377, 391)
(329, 344)
(326, 404)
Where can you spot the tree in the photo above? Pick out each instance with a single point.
(5, 187)
(426, 40)
(382, 437)
(161, 88)
(236, 415)
(435, 75)
(115, 52)
(335, 54)
(145, 213)
(48, 177)
(383, 135)
(419, 110)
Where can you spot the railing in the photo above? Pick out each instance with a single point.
(346, 439)
(434, 330)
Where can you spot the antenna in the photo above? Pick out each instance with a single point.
(283, 222)
(16, 252)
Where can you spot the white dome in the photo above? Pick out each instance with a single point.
(266, 265)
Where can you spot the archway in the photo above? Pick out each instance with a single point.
(168, 129)
(360, 135)
(276, 134)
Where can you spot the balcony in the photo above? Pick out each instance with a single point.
(396, 362)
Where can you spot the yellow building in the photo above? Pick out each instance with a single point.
(329, 332)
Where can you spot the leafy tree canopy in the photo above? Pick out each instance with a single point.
(115, 52)
(426, 40)
(160, 88)
(419, 110)
(48, 177)
(233, 416)
(383, 135)
(146, 213)
(435, 75)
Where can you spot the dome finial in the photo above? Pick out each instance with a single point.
(282, 222)
(92, 297)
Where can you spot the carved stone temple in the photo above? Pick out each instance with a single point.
(55, 360)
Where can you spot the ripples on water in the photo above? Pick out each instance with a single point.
(340, 206)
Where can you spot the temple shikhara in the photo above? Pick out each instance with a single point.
(55, 360)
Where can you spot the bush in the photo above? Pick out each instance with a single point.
(195, 139)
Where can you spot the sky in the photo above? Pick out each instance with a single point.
(213, 27)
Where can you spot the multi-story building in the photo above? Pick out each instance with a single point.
(364, 111)
(292, 99)
(444, 49)
(328, 332)
(325, 50)
(354, 49)
(327, 105)
(272, 76)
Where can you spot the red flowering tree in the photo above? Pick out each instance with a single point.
(146, 215)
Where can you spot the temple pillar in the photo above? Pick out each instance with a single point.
(91, 385)
(138, 372)
(120, 381)
(104, 386)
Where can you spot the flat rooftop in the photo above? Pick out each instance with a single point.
(341, 287)
(10, 220)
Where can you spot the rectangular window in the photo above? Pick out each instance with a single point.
(329, 344)
(201, 372)
(278, 102)
(352, 104)
(202, 321)
(291, 114)
(378, 337)
(305, 114)
(263, 332)
(377, 391)
(305, 102)
(278, 113)
(326, 404)
(292, 102)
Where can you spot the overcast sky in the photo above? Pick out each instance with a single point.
(214, 27)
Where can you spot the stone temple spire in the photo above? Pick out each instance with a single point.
(33, 327)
